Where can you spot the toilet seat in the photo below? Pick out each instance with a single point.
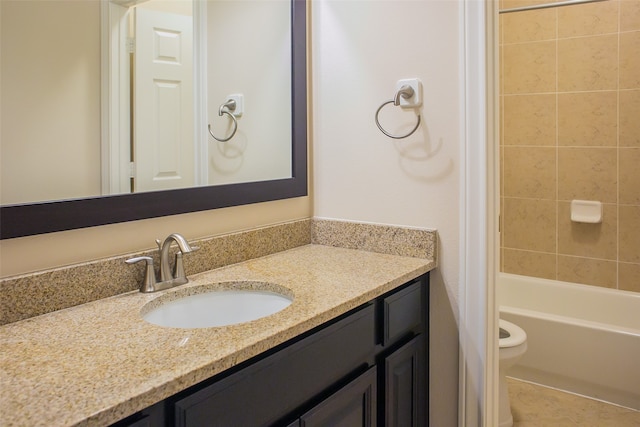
(517, 334)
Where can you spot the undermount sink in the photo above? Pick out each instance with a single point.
(220, 304)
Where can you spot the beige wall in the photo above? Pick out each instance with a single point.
(261, 147)
(35, 253)
(360, 50)
(570, 95)
(50, 103)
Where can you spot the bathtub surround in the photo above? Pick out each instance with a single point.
(30, 295)
(566, 321)
(570, 99)
(570, 96)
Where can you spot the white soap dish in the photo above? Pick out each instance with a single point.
(586, 211)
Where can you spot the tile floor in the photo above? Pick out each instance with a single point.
(533, 405)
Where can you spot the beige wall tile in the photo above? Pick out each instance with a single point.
(529, 26)
(530, 67)
(588, 240)
(629, 233)
(530, 224)
(510, 4)
(629, 134)
(588, 19)
(530, 172)
(501, 118)
(587, 174)
(630, 60)
(501, 70)
(629, 277)
(526, 263)
(502, 166)
(500, 32)
(629, 189)
(629, 15)
(588, 119)
(588, 271)
(588, 63)
(501, 221)
(594, 119)
(530, 119)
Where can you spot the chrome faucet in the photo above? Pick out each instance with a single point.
(168, 279)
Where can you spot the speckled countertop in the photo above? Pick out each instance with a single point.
(99, 362)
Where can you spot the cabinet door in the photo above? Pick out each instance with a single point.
(353, 405)
(276, 386)
(404, 404)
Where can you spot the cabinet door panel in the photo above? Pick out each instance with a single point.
(353, 405)
(402, 313)
(403, 384)
(273, 387)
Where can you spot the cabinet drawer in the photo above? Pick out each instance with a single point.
(273, 387)
(402, 313)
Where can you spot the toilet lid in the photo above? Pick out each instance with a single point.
(516, 336)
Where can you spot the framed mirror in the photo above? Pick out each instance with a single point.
(30, 218)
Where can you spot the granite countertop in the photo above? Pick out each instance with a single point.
(99, 362)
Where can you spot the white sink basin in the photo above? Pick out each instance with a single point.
(224, 304)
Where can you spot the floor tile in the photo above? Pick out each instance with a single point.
(534, 405)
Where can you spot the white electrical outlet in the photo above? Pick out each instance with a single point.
(239, 98)
(416, 100)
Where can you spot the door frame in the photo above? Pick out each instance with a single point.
(479, 215)
(115, 89)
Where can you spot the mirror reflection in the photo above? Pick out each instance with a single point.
(102, 98)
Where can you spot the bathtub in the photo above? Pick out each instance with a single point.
(583, 339)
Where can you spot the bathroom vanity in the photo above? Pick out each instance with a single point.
(367, 367)
(351, 346)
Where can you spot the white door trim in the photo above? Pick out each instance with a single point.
(200, 133)
(478, 386)
(115, 120)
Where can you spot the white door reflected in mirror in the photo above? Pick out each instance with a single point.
(71, 128)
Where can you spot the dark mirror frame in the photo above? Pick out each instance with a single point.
(47, 217)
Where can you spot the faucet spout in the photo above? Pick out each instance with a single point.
(185, 248)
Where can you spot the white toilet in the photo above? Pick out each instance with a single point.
(513, 344)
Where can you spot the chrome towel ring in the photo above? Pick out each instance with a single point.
(227, 108)
(405, 92)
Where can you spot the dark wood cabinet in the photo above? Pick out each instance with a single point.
(275, 386)
(352, 405)
(368, 367)
(404, 389)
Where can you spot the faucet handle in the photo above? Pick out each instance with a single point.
(149, 282)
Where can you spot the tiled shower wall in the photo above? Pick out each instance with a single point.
(570, 118)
